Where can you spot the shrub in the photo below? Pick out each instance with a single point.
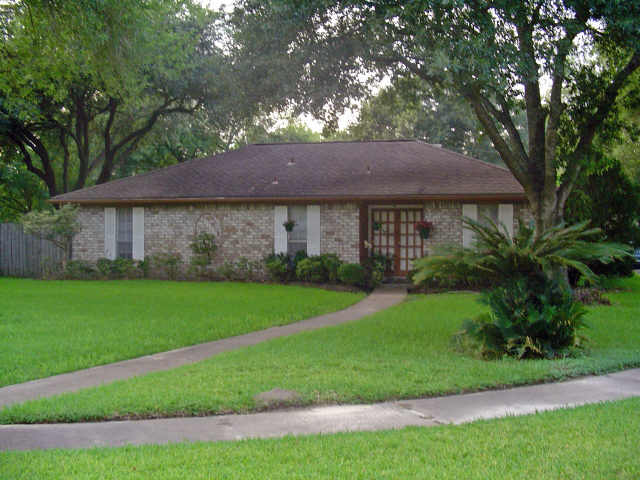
(527, 320)
(311, 269)
(352, 274)
(169, 262)
(143, 267)
(58, 226)
(279, 267)
(533, 313)
(118, 268)
(79, 270)
(331, 263)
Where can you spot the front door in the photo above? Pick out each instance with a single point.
(394, 234)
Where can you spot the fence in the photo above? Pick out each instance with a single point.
(23, 255)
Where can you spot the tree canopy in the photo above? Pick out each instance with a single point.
(501, 57)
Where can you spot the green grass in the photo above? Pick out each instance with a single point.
(595, 441)
(54, 327)
(402, 352)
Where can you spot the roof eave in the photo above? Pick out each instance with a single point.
(478, 197)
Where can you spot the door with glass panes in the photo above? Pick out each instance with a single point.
(394, 234)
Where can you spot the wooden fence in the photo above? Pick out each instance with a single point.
(23, 255)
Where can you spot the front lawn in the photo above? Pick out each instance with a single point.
(402, 352)
(54, 327)
(595, 441)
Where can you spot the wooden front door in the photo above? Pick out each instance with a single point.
(393, 234)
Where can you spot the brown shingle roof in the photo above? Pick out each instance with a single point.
(330, 170)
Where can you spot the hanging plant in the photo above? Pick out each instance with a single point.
(424, 229)
(377, 226)
(288, 225)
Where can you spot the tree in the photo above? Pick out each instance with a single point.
(497, 55)
(406, 109)
(610, 200)
(57, 226)
(83, 83)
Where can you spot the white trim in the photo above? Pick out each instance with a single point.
(469, 210)
(505, 216)
(313, 230)
(280, 215)
(110, 233)
(138, 233)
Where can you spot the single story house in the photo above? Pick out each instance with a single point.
(347, 198)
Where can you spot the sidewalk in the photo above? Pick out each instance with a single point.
(421, 412)
(381, 298)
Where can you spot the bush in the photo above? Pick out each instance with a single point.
(79, 270)
(352, 274)
(169, 262)
(375, 267)
(528, 319)
(279, 267)
(311, 269)
(118, 268)
(331, 263)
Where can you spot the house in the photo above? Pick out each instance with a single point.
(348, 198)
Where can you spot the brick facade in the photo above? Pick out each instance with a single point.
(339, 231)
(247, 230)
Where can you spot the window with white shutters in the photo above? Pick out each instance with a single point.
(124, 233)
(297, 238)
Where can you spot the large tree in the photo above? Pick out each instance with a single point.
(83, 84)
(502, 57)
(409, 109)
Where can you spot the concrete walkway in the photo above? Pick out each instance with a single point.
(422, 412)
(381, 298)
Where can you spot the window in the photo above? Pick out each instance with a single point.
(487, 210)
(297, 238)
(124, 233)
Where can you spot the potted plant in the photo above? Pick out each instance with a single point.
(288, 225)
(424, 229)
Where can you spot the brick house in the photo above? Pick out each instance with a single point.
(348, 198)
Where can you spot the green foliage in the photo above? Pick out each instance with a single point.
(242, 269)
(311, 269)
(533, 315)
(168, 262)
(20, 191)
(331, 263)
(204, 243)
(57, 226)
(528, 319)
(611, 201)
(119, 268)
(279, 267)
(501, 258)
(410, 109)
(352, 274)
(79, 270)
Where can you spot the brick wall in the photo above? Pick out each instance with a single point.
(340, 231)
(246, 230)
(89, 243)
(446, 217)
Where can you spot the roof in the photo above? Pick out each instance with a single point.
(407, 169)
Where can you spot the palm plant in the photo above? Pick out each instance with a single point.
(532, 313)
(498, 256)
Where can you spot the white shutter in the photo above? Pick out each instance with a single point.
(468, 210)
(313, 230)
(279, 232)
(110, 233)
(138, 233)
(505, 216)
